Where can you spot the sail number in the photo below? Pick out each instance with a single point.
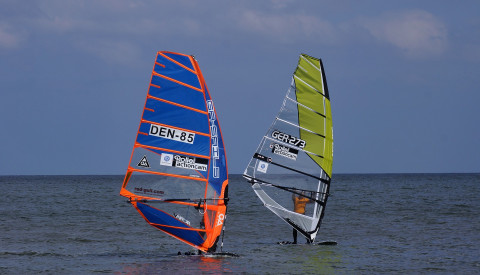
(289, 139)
(170, 133)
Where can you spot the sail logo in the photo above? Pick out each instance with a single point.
(190, 163)
(180, 218)
(289, 139)
(262, 167)
(284, 151)
(144, 162)
(172, 134)
(185, 162)
(220, 219)
(166, 159)
(214, 134)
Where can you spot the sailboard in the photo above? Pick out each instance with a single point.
(177, 175)
(294, 157)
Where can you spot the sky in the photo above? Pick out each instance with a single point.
(403, 78)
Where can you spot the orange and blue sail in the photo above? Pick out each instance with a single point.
(177, 176)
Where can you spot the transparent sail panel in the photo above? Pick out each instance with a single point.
(187, 214)
(165, 188)
(169, 163)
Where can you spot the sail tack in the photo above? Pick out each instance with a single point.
(294, 157)
(177, 176)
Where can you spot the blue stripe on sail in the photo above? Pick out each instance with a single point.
(158, 217)
(176, 116)
(176, 72)
(177, 93)
(184, 60)
(200, 146)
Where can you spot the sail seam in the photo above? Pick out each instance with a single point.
(169, 175)
(170, 150)
(313, 65)
(178, 82)
(291, 169)
(178, 63)
(178, 227)
(176, 104)
(305, 106)
(308, 85)
(300, 127)
(290, 189)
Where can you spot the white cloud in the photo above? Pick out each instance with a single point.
(415, 32)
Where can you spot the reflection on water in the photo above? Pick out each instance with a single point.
(191, 264)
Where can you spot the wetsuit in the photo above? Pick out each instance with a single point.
(299, 204)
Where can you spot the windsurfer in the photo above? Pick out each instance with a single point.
(299, 204)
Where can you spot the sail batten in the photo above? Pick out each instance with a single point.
(306, 107)
(300, 127)
(178, 157)
(294, 157)
(173, 103)
(306, 83)
(172, 151)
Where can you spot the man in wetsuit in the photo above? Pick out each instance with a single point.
(299, 205)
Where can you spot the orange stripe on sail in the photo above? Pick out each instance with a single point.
(169, 175)
(176, 81)
(169, 150)
(176, 104)
(161, 65)
(178, 227)
(156, 86)
(178, 63)
(151, 110)
(170, 126)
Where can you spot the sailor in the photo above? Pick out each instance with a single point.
(299, 204)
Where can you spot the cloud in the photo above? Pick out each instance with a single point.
(417, 33)
(113, 51)
(8, 38)
(286, 26)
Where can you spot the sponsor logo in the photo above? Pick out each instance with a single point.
(220, 219)
(284, 151)
(185, 162)
(180, 218)
(190, 163)
(214, 133)
(292, 140)
(170, 133)
(150, 191)
(144, 163)
(166, 159)
(262, 167)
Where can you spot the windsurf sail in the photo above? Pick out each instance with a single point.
(294, 158)
(177, 176)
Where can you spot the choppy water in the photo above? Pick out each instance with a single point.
(392, 223)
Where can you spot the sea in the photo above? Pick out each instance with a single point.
(382, 224)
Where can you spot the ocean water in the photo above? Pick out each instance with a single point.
(386, 223)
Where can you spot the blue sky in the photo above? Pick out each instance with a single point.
(403, 78)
